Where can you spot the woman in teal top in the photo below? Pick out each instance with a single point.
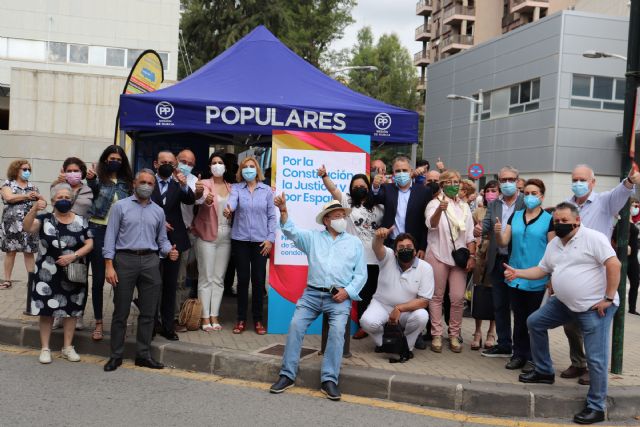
(527, 233)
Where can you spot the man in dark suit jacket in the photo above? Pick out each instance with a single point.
(404, 204)
(170, 191)
(510, 200)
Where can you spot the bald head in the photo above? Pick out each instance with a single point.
(583, 171)
(433, 176)
(187, 157)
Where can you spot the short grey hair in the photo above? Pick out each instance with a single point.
(400, 158)
(509, 169)
(63, 186)
(146, 170)
(584, 165)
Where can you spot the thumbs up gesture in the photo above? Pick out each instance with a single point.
(173, 253)
(281, 202)
(497, 228)
(228, 212)
(199, 186)
(322, 171)
(510, 273)
(91, 172)
(61, 177)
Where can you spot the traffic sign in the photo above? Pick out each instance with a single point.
(476, 171)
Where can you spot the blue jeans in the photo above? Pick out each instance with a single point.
(311, 305)
(501, 304)
(595, 330)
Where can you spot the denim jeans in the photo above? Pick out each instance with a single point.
(596, 331)
(97, 268)
(501, 304)
(311, 305)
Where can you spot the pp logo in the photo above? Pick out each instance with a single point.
(382, 121)
(164, 110)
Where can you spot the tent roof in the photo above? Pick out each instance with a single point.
(254, 87)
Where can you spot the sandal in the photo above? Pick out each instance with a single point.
(240, 327)
(490, 342)
(260, 329)
(6, 284)
(97, 334)
(477, 341)
(207, 327)
(216, 326)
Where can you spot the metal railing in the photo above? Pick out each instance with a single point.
(424, 28)
(423, 3)
(459, 10)
(457, 39)
(517, 2)
(423, 54)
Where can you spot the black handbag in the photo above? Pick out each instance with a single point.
(482, 303)
(460, 256)
(395, 342)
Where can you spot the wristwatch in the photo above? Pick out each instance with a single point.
(606, 298)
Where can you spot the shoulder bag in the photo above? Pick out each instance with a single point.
(76, 272)
(460, 256)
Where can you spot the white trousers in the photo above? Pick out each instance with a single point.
(377, 314)
(213, 258)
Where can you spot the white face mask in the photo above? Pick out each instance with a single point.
(217, 170)
(339, 225)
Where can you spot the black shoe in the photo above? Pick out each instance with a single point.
(281, 385)
(378, 349)
(528, 367)
(588, 416)
(170, 335)
(537, 378)
(331, 390)
(495, 351)
(148, 363)
(634, 312)
(112, 364)
(421, 343)
(515, 363)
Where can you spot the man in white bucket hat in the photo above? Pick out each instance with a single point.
(337, 273)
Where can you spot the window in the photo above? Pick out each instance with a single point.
(524, 97)
(132, 55)
(78, 54)
(115, 57)
(164, 56)
(57, 52)
(598, 92)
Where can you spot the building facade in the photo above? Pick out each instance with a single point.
(546, 107)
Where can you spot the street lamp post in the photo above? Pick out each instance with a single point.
(479, 102)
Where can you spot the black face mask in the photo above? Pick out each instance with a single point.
(405, 255)
(434, 187)
(113, 166)
(165, 170)
(563, 230)
(358, 194)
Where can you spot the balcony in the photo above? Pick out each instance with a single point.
(423, 32)
(424, 7)
(422, 58)
(528, 6)
(422, 84)
(456, 14)
(455, 43)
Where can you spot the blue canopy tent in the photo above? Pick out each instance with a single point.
(256, 86)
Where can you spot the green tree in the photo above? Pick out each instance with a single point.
(306, 26)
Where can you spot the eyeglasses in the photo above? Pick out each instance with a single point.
(503, 180)
(26, 169)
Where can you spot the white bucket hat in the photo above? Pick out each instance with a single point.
(333, 205)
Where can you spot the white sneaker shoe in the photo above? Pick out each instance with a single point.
(45, 356)
(57, 323)
(80, 323)
(70, 354)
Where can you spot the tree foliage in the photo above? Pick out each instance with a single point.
(306, 26)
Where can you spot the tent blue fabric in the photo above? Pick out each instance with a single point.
(258, 85)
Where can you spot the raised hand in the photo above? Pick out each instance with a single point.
(497, 228)
(91, 172)
(40, 205)
(510, 273)
(61, 177)
(444, 204)
(173, 253)
(209, 199)
(634, 175)
(440, 164)
(383, 233)
(281, 202)
(322, 171)
(378, 180)
(182, 180)
(199, 185)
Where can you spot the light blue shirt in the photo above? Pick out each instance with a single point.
(600, 209)
(254, 218)
(401, 211)
(335, 262)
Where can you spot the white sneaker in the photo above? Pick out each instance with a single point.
(45, 356)
(57, 323)
(80, 323)
(70, 354)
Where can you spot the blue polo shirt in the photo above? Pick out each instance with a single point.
(528, 243)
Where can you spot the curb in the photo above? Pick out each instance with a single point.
(496, 399)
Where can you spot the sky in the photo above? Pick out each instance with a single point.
(384, 17)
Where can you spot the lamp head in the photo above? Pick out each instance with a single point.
(592, 54)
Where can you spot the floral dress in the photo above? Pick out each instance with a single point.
(51, 293)
(12, 236)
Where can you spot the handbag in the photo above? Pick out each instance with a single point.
(76, 272)
(395, 342)
(190, 314)
(482, 303)
(460, 256)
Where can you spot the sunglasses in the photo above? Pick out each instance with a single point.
(26, 169)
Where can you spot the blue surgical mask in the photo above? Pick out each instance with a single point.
(635, 211)
(25, 175)
(508, 188)
(185, 169)
(580, 188)
(531, 201)
(420, 179)
(402, 178)
(249, 174)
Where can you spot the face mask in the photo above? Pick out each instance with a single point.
(25, 175)
(420, 179)
(451, 191)
(532, 201)
(217, 170)
(143, 191)
(359, 193)
(562, 230)
(635, 211)
(249, 174)
(63, 205)
(402, 178)
(580, 188)
(73, 178)
(434, 187)
(491, 196)
(185, 169)
(508, 188)
(165, 170)
(405, 255)
(113, 166)
(339, 225)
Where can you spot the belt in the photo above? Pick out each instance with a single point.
(316, 288)
(137, 251)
